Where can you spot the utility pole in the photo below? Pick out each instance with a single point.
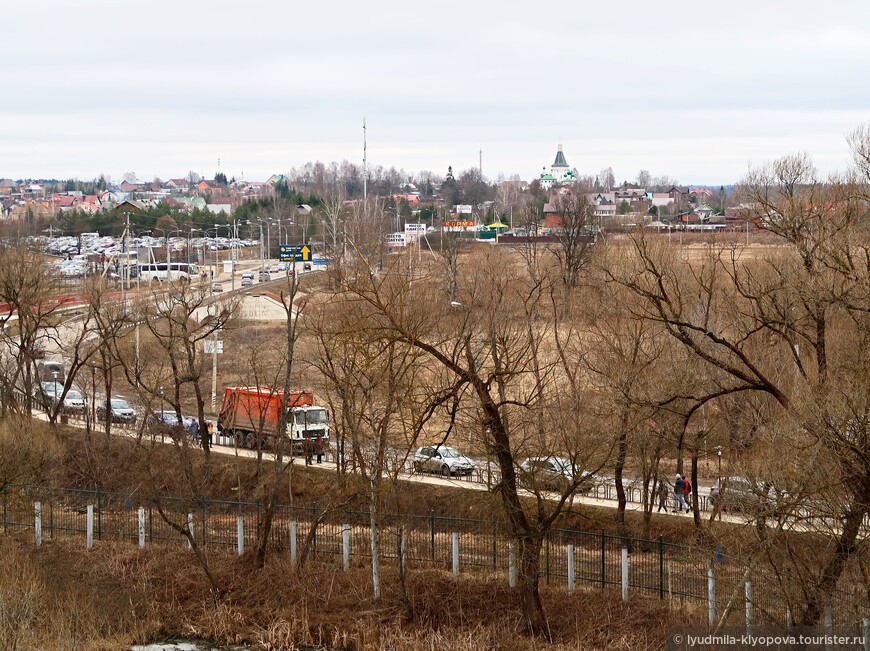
(365, 164)
(480, 164)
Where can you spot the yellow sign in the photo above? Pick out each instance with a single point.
(306, 253)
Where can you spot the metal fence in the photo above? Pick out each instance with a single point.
(678, 573)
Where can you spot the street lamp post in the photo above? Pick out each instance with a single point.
(719, 455)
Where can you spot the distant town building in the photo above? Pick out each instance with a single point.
(559, 173)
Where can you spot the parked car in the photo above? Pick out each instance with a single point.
(48, 394)
(166, 422)
(247, 281)
(120, 409)
(554, 473)
(37, 350)
(217, 288)
(443, 460)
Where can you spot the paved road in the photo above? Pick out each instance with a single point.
(433, 480)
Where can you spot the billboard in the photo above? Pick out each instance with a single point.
(463, 209)
(459, 224)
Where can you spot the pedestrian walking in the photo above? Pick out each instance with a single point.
(663, 496)
(680, 494)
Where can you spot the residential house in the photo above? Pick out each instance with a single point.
(8, 186)
(659, 200)
(177, 185)
(209, 187)
(34, 191)
(219, 208)
(130, 188)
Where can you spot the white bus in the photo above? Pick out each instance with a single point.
(161, 271)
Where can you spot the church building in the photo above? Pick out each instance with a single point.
(559, 172)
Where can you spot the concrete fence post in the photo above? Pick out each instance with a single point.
(748, 591)
(455, 553)
(788, 619)
(829, 625)
(866, 634)
(240, 534)
(345, 546)
(711, 595)
(293, 558)
(570, 568)
(190, 529)
(402, 539)
(512, 565)
(141, 527)
(90, 526)
(625, 573)
(37, 522)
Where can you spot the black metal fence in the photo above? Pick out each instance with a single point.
(678, 573)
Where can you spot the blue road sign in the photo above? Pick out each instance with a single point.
(294, 253)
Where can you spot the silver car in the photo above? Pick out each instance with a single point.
(553, 473)
(443, 460)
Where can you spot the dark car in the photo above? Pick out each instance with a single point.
(120, 409)
(166, 422)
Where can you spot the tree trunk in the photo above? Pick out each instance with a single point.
(527, 582)
(622, 451)
(696, 516)
(820, 593)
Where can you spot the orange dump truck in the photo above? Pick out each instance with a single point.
(252, 413)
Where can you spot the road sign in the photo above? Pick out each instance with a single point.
(294, 253)
(208, 347)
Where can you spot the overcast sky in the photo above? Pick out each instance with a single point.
(695, 90)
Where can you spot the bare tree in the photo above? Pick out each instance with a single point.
(576, 236)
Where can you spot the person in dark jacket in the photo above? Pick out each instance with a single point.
(663, 496)
(680, 494)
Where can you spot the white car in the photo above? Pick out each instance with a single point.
(552, 473)
(443, 460)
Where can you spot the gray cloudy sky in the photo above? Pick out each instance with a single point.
(695, 90)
